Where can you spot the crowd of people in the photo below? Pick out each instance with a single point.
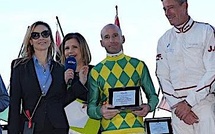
(41, 88)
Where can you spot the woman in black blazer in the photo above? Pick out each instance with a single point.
(38, 91)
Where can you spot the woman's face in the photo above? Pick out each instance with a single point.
(72, 48)
(40, 38)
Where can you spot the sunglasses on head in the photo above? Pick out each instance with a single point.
(44, 34)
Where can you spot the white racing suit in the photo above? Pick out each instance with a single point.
(186, 71)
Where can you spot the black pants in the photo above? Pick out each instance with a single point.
(49, 129)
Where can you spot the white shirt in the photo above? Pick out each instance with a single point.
(186, 63)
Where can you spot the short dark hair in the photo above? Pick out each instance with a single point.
(179, 1)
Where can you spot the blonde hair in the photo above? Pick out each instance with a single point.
(28, 49)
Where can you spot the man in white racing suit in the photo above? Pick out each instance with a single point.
(186, 70)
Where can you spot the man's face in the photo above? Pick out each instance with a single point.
(112, 39)
(175, 13)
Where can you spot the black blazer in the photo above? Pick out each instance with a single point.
(25, 92)
(78, 84)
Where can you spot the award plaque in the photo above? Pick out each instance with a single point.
(160, 125)
(125, 98)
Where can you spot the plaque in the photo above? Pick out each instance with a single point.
(160, 125)
(125, 98)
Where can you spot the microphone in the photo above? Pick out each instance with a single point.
(70, 63)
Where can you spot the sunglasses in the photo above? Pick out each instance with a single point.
(36, 35)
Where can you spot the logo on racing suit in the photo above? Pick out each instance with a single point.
(212, 48)
(159, 57)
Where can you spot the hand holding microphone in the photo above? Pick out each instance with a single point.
(70, 67)
(83, 74)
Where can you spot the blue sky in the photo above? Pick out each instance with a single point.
(142, 23)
